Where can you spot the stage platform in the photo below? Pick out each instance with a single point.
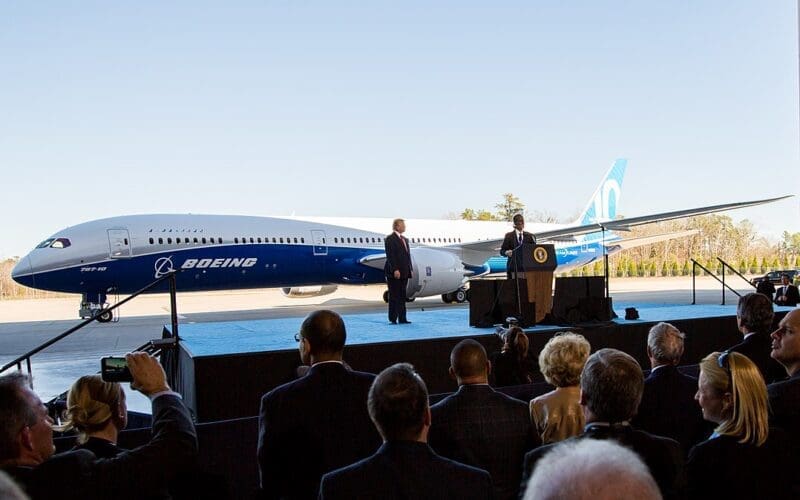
(224, 367)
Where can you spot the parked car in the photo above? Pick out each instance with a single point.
(775, 276)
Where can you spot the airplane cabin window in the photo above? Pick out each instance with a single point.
(161, 241)
(295, 240)
(281, 240)
(151, 241)
(203, 240)
(169, 241)
(236, 240)
(336, 240)
(258, 239)
(273, 239)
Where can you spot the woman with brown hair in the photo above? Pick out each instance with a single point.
(511, 365)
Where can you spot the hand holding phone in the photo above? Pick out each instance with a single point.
(114, 369)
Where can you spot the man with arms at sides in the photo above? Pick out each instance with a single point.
(511, 242)
(479, 426)
(404, 467)
(26, 443)
(754, 318)
(398, 271)
(668, 407)
(318, 422)
(784, 397)
(786, 294)
(611, 389)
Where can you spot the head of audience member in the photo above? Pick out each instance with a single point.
(399, 225)
(580, 470)
(515, 341)
(664, 345)
(754, 313)
(9, 489)
(733, 395)
(519, 222)
(786, 342)
(469, 364)
(26, 430)
(398, 404)
(784, 279)
(562, 359)
(322, 336)
(96, 408)
(612, 384)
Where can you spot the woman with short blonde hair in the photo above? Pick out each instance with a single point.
(558, 415)
(96, 409)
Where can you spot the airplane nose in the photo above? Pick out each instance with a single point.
(23, 272)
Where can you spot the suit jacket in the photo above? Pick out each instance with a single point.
(668, 408)
(406, 470)
(758, 347)
(784, 401)
(792, 295)
(398, 256)
(663, 456)
(722, 467)
(484, 428)
(510, 243)
(135, 473)
(313, 425)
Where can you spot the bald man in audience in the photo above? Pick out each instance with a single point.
(479, 426)
(784, 397)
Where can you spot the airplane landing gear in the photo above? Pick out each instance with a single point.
(91, 304)
(460, 296)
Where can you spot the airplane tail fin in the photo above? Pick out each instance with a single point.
(603, 203)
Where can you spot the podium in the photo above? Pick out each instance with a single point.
(538, 264)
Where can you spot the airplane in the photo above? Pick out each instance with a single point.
(313, 255)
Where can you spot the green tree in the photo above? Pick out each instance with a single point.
(509, 207)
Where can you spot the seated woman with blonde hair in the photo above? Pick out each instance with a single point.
(744, 457)
(558, 415)
(96, 410)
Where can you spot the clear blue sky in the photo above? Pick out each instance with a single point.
(413, 109)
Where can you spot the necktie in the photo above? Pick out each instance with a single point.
(519, 238)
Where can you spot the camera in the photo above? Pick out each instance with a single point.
(115, 370)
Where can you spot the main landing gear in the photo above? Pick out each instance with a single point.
(91, 304)
(460, 296)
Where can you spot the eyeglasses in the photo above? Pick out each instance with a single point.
(297, 337)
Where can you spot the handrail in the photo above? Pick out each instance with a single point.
(695, 265)
(725, 264)
(169, 276)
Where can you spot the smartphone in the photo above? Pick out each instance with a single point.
(115, 370)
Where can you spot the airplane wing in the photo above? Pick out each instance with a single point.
(569, 233)
(649, 240)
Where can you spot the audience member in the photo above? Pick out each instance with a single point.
(96, 409)
(26, 443)
(316, 423)
(591, 469)
(611, 389)
(784, 397)
(786, 294)
(404, 467)
(741, 457)
(765, 287)
(754, 318)
(557, 415)
(511, 365)
(668, 407)
(479, 426)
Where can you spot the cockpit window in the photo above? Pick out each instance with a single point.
(54, 243)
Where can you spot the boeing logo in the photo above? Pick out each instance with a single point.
(212, 263)
(163, 266)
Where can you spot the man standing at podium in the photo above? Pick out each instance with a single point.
(513, 241)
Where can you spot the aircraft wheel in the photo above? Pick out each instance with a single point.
(469, 295)
(105, 317)
(460, 295)
(447, 298)
(386, 296)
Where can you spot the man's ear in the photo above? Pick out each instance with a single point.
(25, 438)
(427, 420)
(452, 373)
(582, 400)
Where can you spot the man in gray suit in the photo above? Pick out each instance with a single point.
(479, 426)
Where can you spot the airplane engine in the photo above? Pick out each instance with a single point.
(435, 272)
(308, 291)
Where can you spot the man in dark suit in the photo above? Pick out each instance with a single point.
(611, 389)
(26, 443)
(479, 426)
(754, 318)
(397, 270)
(511, 242)
(404, 466)
(784, 397)
(786, 294)
(318, 422)
(668, 407)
